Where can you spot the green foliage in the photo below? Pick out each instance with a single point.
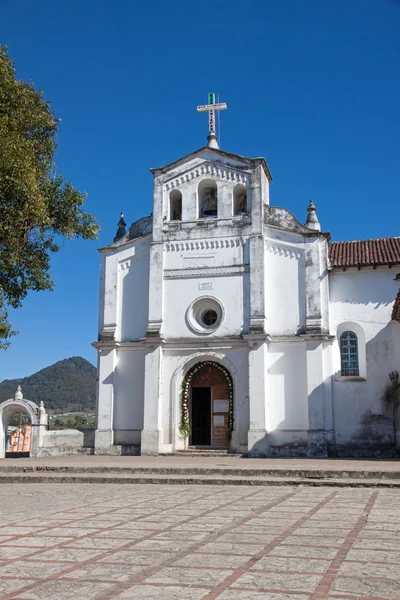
(68, 385)
(184, 425)
(36, 205)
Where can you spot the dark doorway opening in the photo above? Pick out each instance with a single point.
(201, 416)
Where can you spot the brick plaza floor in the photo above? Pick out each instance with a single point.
(60, 541)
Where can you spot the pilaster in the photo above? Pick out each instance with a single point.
(313, 286)
(257, 435)
(104, 435)
(317, 442)
(155, 290)
(108, 299)
(150, 436)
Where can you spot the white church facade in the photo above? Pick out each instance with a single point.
(226, 323)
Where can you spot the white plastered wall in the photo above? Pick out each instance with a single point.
(129, 395)
(133, 290)
(287, 401)
(284, 286)
(364, 298)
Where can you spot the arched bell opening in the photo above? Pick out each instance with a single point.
(208, 199)
(240, 200)
(175, 206)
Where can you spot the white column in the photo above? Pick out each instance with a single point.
(150, 438)
(316, 400)
(104, 435)
(257, 435)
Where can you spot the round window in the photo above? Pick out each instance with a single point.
(204, 315)
(209, 318)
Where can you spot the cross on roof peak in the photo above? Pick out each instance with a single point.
(211, 107)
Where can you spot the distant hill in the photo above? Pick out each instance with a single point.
(68, 385)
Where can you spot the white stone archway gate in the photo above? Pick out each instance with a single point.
(37, 415)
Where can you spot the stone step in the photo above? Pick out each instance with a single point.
(212, 470)
(173, 479)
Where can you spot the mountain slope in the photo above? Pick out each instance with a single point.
(68, 385)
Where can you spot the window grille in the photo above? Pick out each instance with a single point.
(349, 354)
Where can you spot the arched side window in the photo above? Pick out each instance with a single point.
(175, 206)
(239, 200)
(349, 361)
(208, 199)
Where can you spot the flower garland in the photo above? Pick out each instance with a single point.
(184, 425)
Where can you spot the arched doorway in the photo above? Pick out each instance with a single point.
(18, 432)
(209, 405)
(22, 423)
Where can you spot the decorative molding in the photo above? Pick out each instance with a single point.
(283, 250)
(107, 334)
(203, 245)
(206, 271)
(210, 170)
(124, 264)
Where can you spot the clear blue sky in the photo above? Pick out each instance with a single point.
(312, 85)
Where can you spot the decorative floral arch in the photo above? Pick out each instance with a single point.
(184, 425)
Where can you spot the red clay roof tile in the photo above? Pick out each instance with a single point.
(365, 253)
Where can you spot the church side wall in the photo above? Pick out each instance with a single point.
(362, 301)
(129, 395)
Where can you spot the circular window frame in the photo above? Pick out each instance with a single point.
(196, 311)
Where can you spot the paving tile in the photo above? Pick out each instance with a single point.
(36, 541)
(133, 557)
(105, 572)
(256, 538)
(11, 585)
(212, 560)
(366, 587)
(18, 530)
(153, 592)
(233, 594)
(304, 551)
(70, 554)
(126, 534)
(96, 542)
(32, 569)
(70, 531)
(165, 545)
(172, 534)
(377, 544)
(281, 563)
(11, 552)
(370, 569)
(303, 540)
(177, 575)
(230, 548)
(276, 581)
(375, 556)
(62, 590)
